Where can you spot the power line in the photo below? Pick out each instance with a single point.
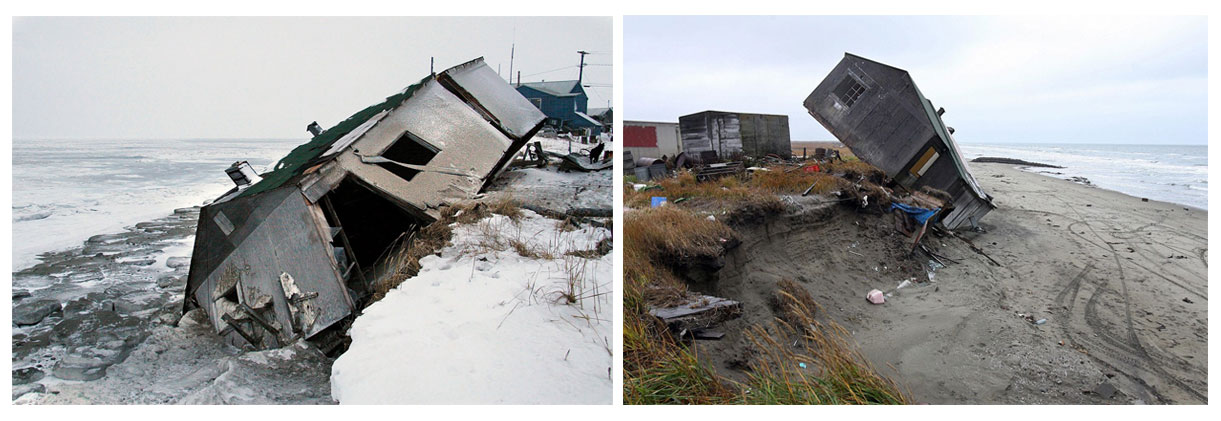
(549, 71)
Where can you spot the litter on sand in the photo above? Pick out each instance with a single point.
(876, 297)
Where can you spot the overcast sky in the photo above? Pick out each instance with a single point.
(265, 77)
(1137, 80)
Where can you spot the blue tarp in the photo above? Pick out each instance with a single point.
(919, 214)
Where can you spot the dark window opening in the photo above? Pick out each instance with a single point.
(849, 90)
(408, 149)
(372, 224)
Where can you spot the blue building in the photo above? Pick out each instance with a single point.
(564, 103)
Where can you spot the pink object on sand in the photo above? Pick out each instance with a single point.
(875, 297)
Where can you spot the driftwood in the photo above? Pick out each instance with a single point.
(975, 248)
(572, 214)
(698, 312)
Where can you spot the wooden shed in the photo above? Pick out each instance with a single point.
(880, 114)
(299, 250)
(733, 135)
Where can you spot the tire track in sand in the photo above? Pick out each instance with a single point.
(1124, 350)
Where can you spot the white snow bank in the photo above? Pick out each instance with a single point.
(482, 324)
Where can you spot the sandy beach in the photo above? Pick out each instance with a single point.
(1120, 285)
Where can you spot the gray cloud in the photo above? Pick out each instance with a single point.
(1002, 79)
(263, 77)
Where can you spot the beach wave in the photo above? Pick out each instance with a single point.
(1170, 173)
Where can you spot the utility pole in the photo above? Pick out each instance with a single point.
(512, 51)
(581, 72)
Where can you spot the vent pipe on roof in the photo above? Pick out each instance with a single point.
(940, 111)
(314, 128)
(242, 174)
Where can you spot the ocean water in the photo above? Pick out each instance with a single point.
(65, 191)
(1168, 173)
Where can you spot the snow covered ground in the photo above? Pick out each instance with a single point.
(550, 188)
(482, 323)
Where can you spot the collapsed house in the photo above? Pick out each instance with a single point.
(880, 114)
(729, 135)
(290, 253)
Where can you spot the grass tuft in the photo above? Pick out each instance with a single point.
(659, 370)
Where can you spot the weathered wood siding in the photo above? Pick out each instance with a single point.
(733, 135)
(764, 134)
(888, 125)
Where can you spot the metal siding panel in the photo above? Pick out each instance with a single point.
(286, 240)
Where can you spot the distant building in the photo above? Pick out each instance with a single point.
(881, 115)
(564, 102)
(734, 135)
(604, 115)
(651, 139)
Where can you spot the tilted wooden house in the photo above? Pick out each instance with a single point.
(880, 114)
(292, 254)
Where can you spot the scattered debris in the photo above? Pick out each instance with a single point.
(580, 162)
(875, 297)
(1188, 301)
(706, 334)
(718, 170)
(933, 265)
(698, 312)
(646, 169)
